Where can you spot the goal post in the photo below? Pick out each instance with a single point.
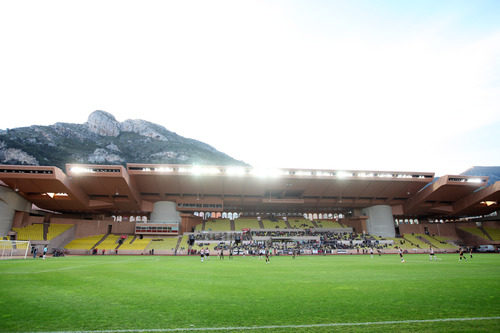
(12, 249)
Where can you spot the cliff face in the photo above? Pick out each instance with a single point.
(104, 140)
(491, 171)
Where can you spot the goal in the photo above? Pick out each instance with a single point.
(11, 249)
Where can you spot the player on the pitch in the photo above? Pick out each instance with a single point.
(268, 252)
(202, 254)
(401, 255)
(431, 254)
(461, 253)
(221, 254)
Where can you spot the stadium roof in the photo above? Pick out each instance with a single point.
(134, 188)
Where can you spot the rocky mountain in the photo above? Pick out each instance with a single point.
(491, 171)
(104, 140)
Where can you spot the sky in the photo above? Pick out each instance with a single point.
(363, 85)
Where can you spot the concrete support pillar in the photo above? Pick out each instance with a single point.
(380, 221)
(10, 202)
(165, 212)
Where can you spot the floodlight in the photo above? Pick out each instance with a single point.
(303, 173)
(343, 174)
(385, 175)
(365, 175)
(199, 170)
(474, 180)
(236, 171)
(210, 171)
(164, 169)
(184, 170)
(264, 173)
(78, 170)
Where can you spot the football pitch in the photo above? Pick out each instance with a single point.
(350, 293)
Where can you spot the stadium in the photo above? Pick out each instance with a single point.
(333, 238)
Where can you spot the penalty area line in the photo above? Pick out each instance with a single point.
(194, 329)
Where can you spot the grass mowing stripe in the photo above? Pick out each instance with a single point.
(193, 329)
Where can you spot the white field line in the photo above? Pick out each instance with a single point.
(193, 329)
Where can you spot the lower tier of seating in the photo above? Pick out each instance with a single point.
(163, 243)
(137, 244)
(85, 243)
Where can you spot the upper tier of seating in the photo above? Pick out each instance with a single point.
(243, 223)
(417, 241)
(217, 225)
(35, 231)
(328, 224)
(254, 224)
(31, 232)
(57, 229)
(475, 231)
(278, 224)
(493, 232)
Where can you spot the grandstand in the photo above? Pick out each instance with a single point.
(300, 223)
(493, 232)
(109, 243)
(329, 224)
(416, 241)
(277, 224)
(476, 232)
(158, 205)
(136, 244)
(57, 229)
(163, 243)
(31, 232)
(244, 223)
(217, 225)
(84, 243)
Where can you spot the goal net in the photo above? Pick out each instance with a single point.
(11, 249)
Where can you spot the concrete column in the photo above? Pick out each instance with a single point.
(380, 221)
(165, 212)
(10, 201)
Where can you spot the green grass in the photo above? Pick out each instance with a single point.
(143, 292)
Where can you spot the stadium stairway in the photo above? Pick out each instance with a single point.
(231, 223)
(486, 233)
(494, 233)
(409, 241)
(431, 241)
(120, 244)
(314, 224)
(133, 239)
(288, 225)
(179, 240)
(100, 241)
(423, 239)
(436, 241)
(261, 224)
(203, 226)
